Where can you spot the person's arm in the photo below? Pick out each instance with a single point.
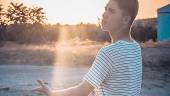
(83, 89)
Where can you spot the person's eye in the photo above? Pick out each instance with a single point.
(111, 10)
(105, 8)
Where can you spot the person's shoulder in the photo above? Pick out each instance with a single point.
(111, 47)
(120, 45)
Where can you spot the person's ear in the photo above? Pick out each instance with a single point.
(126, 19)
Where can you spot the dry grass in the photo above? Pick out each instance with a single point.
(152, 44)
(72, 54)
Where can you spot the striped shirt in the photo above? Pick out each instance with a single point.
(117, 70)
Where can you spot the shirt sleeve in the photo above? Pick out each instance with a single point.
(100, 69)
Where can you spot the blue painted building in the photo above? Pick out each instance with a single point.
(163, 23)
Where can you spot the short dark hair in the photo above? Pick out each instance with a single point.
(130, 7)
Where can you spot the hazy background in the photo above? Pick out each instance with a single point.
(57, 41)
(76, 11)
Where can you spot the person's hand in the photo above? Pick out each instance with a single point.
(43, 89)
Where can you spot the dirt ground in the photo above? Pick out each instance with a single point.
(22, 65)
(18, 80)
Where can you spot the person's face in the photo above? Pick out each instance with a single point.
(112, 17)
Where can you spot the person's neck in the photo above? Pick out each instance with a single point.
(122, 34)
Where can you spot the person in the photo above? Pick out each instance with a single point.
(117, 68)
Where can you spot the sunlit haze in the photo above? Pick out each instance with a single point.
(76, 11)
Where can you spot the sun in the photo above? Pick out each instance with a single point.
(71, 11)
(76, 11)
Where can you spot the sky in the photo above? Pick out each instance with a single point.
(76, 11)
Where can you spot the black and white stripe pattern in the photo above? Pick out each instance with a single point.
(117, 70)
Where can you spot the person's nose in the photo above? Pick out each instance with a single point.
(104, 14)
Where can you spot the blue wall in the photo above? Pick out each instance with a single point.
(163, 26)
